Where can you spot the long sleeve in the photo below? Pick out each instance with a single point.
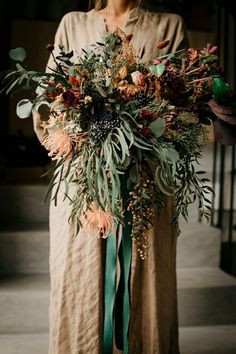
(60, 39)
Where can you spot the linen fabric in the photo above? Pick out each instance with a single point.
(77, 262)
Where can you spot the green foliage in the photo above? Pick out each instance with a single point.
(220, 88)
(18, 54)
(117, 126)
(157, 69)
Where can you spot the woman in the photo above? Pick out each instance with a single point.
(77, 263)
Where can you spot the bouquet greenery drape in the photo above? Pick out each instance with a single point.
(113, 118)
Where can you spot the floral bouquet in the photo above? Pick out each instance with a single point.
(127, 134)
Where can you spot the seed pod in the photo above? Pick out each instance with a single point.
(163, 44)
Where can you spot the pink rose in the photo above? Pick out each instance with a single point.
(138, 78)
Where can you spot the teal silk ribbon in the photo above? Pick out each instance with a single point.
(109, 293)
(126, 245)
(121, 299)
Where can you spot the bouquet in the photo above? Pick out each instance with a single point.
(127, 134)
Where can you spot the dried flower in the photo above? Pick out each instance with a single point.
(99, 222)
(59, 144)
(50, 47)
(71, 98)
(123, 72)
(114, 116)
(163, 44)
(138, 78)
(128, 91)
(75, 80)
(213, 49)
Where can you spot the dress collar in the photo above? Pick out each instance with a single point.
(133, 19)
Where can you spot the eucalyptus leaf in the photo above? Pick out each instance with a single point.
(17, 54)
(157, 127)
(115, 155)
(24, 108)
(20, 67)
(128, 133)
(157, 69)
(133, 174)
(123, 144)
(161, 182)
(171, 154)
(14, 83)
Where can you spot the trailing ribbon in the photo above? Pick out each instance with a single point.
(109, 293)
(119, 301)
(125, 256)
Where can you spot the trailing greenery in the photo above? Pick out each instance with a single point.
(118, 124)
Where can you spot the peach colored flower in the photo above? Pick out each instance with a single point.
(123, 72)
(99, 222)
(75, 80)
(193, 54)
(138, 78)
(59, 143)
(127, 90)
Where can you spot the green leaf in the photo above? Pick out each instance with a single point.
(161, 182)
(99, 184)
(24, 108)
(157, 69)
(17, 54)
(90, 172)
(133, 174)
(141, 144)
(219, 88)
(172, 156)
(157, 127)
(115, 189)
(10, 88)
(115, 156)
(126, 162)
(105, 185)
(128, 133)
(123, 144)
(208, 58)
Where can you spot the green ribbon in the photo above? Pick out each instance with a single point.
(109, 293)
(125, 263)
(119, 301)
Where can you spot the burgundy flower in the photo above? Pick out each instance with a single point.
(71, 98)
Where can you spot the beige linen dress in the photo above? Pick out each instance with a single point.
(77, 263)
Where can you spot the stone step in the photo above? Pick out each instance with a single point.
(207, 340)
(193, 340)
(198, 245)
(206, 296)
(25, 251)
(35, 343)
(23, 204)
(24, 303)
